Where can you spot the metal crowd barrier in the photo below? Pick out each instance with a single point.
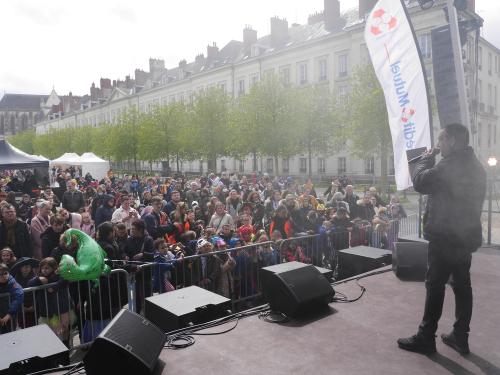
(78, 311)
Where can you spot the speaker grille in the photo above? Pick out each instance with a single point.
(136, 338)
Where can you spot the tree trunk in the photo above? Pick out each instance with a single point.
(177, 161)
(254, 166)
(383, 172)
(135, 163)
(276, 171)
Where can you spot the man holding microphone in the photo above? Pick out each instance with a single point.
(456, 187)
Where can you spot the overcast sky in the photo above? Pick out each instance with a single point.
(70, 44)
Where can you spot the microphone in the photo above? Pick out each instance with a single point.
(433, 152)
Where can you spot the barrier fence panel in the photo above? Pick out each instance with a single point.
(78, 311)
(75, 311)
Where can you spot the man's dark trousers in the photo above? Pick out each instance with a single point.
(446, 259)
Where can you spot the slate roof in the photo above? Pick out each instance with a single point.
(21, 102)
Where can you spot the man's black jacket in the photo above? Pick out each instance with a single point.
(456, 187)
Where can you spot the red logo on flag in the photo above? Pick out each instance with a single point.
(382, 22)
(407, 115)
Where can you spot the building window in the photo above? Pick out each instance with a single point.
(490, 63)
(321, 165)
(303, 165)
(222, 165)
(254, 164)
(254, 79)
(495, 134)
(342, 65)
(341, 165)
(269, 165)
(285, 75)
(479, 131)
(480, 58)
(370, 165)
(489, 135)
(323, 70)
(495, 98)
(241, 166)
(480, 93)
(241, 87)
(303, 73)
(285, 165)
(424, 42)
(392, 171)
(222, 86)
(342, 95)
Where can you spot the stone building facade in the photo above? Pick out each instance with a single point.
(326, 50)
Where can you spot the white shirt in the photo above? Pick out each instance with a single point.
(121, 213)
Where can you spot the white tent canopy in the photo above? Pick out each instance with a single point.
(69, 158)
(94, 165)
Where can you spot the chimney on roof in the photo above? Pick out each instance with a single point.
(212, 51)
(333, 21)
(279, 31)
(471, 5)
(199, 59)
(315, 18)
(105, 83)
(365, 7)
(249, 38)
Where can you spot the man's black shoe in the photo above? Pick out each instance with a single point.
(457, 342)
(419, 344)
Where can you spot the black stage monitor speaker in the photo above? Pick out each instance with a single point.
(409, 260)
(130, 344)
(30, 350)
(182, 307)
(361, 259)
(294, 290)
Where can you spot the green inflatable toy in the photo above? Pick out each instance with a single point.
(90, 256)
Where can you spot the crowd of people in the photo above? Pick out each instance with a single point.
(189, 231)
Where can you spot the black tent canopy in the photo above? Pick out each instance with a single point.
(13, 158)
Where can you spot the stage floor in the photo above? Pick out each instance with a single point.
(356, 338)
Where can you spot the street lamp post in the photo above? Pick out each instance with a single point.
(492, 162)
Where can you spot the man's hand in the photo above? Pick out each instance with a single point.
(5, 320)
(431, 153)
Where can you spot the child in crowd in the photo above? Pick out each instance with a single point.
(294, 252)
(87, 225)
(9, 306)
(23, 272)
(164, 261)
(7, 257)
(52, 303)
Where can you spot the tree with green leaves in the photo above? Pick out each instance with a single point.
(124, 136)
(366, 120)
(207, 132)
(318, 126)
(267, 119)
(24, 141)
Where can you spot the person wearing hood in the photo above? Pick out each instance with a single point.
(105, 211)
(10, 306)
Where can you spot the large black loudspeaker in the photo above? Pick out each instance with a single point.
(31, 349)
(409, 260)
(361, 259)
(130, 344)
(183, 307)
(293, 290)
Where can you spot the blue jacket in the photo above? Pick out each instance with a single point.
(16, 297)
(161, 265)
